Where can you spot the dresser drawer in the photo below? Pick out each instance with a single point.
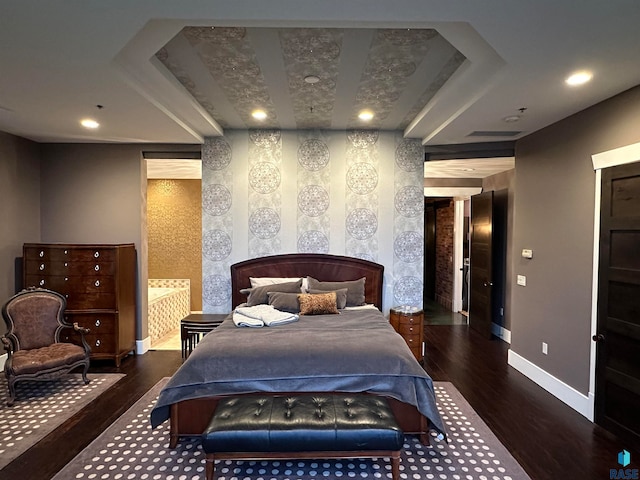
(413, 340)
(62, 254)
(97, 323)
(64, 284)
(52, 267)
(409, 319)
(100, 343)
(91, 300)
(406, 329)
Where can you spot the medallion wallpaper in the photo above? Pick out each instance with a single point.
(357, 193)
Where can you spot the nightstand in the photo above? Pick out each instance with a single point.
(409, 323)
(195, 324)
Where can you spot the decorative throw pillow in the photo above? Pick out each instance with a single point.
(355, 293)
(260, 295)
(284, 301)
(317, 303)
(341, 296)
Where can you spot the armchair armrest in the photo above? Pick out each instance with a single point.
(7, 344)
(82, 331)
(79, 329)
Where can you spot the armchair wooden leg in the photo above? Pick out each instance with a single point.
(84, 373)
(12, 393)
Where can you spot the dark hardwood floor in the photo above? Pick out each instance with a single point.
(549, 439)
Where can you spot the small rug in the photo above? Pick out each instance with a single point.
(40, 407)
(130, 449)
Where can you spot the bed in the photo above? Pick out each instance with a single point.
(354, 351)
(169, 302)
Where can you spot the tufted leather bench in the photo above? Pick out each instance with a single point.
(324, 426)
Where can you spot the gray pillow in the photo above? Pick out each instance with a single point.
(355, 289)
(260, 295)
(284, 301)
(341, 296)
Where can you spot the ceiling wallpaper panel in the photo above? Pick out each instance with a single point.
(296, 75)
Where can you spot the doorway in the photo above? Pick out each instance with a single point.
(440, 238)
(174, 256)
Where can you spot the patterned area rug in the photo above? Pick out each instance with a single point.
(129, 449)
(40, 407)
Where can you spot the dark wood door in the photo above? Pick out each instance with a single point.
(429, 251)
(481, 278)
(618, 330)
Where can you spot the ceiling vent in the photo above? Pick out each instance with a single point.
(494, 133)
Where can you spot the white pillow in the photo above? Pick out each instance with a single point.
(262, 281)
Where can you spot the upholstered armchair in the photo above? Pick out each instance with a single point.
(35, 321)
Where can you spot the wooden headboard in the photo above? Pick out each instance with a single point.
(322, 267)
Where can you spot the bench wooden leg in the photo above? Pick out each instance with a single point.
(395, 467)
(210, 467)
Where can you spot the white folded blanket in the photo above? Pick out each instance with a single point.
(260, 315)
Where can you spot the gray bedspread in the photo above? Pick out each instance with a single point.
(355, 351)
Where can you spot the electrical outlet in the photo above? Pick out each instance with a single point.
(545, 348)
(522, 280)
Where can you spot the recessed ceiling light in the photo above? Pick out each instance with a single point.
(511, 119)
(578, 78)
(89, 123)
(365, 115)
(312, 79)
(259, 114)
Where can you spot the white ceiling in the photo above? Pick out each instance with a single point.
(60, 59)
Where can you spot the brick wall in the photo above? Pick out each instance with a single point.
(444, 253)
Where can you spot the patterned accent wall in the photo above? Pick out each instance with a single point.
(314, 189)
(355, 193)
(408, 231)
(173, 225)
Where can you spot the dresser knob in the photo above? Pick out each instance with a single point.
(98, 322)
(41, 254)
(66, 279)
(41, 266)
(97, 343)
(96, 255)
(96, 268)
(41, 282)
(97, 283)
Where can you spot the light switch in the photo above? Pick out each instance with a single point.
(522, 280)
(527, 253)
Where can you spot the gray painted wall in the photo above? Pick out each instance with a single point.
(554, 216)
(96, 193)
(91, 193)
(19, 206)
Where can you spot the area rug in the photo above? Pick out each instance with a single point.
(40, 407)
(130, 449)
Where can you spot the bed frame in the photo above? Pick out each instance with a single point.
(191, 417)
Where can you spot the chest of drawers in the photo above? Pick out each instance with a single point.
(98, 282)
(409, 323)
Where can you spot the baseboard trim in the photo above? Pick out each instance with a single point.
(143, 346)
(501, 332)
(581, 403)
